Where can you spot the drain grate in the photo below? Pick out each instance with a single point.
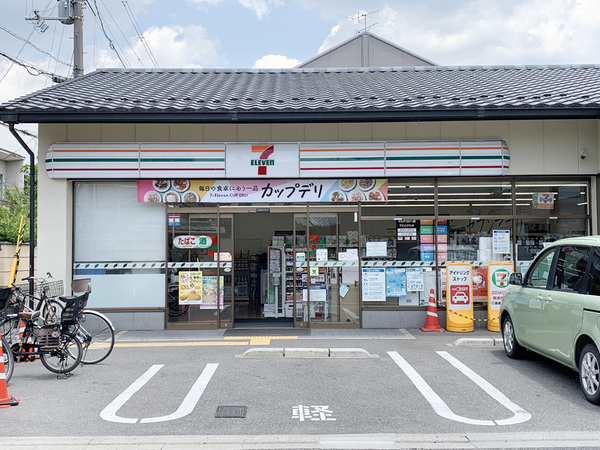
(231, 412)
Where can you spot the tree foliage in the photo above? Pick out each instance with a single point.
(14, 204)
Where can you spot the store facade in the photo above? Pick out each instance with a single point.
(305, 223)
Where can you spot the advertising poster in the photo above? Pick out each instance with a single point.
(209, 292)
(190, 288)
(480, 288)
(499, 274)
(373, 285)
(458, 286)
(262, 191)
(395, 281)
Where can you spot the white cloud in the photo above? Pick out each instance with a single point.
(172, 46)
(204, 4)
(480, 32)
(261, 8)
(18, 83)
(275, 62)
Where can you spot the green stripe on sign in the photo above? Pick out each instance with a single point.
(120, 160)
(182, 160)
(339, 159)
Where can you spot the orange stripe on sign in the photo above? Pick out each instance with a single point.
(341, 150)
(183, 151)
(94, 151)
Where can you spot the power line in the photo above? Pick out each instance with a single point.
(122, 34)
(32, 45)
(36, 71)
(139, 31)
(101, 22)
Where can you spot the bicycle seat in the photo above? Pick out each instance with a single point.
(29, 316)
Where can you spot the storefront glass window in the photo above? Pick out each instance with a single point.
(120, 244)
(474, 199)
(194, 285)
(405, 197)
(552, 199)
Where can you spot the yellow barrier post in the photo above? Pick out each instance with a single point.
(15, 264)
(459, 297)
(498, 274)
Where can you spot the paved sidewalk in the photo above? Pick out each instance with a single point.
(540, 440)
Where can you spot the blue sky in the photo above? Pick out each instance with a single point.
(283, 33)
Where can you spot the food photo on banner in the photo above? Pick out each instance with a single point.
(262, 191)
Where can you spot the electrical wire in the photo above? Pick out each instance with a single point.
(122, 34)
(30, 68)
(101, 22)
(139, 31)
(26, 41)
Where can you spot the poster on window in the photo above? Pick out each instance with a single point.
(414, 279)
(499, 274)
(395, 281)
(373, 285)
(210, 291)
(458, 286)
(190, 288)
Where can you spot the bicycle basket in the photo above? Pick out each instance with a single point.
(5, 294)
(71, 313)
(48, 337)
(50, 288)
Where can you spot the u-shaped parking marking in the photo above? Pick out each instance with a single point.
(186, 407)
(442, 409)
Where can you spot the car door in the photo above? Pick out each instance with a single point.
(528, 300)
(562, 306)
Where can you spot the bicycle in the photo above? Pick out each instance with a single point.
(57, 346)
(7, 356)
(95, 331)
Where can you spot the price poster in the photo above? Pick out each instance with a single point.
(458, 286)
(190, 288)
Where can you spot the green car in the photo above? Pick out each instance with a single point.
(554, 310)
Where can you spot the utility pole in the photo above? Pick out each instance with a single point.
(77, 37)
(70, 12)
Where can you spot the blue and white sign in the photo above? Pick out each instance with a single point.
(373, 285)
(395, 281)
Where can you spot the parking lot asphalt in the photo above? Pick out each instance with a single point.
(305, 339)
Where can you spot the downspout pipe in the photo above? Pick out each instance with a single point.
(11, 127)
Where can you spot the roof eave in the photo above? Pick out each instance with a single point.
(321, 116)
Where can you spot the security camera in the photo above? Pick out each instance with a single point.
(583, 154)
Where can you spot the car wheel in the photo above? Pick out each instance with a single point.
(511, 346)
(589, 373)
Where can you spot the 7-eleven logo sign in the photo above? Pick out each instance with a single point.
(263, 160)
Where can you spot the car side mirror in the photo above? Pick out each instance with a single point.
(515, 279)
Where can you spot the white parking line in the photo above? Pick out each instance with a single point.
(186, 407)
(442, 409)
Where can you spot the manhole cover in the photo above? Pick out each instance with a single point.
(231, 412)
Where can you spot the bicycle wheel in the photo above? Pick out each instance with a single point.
(65, 358)
(9, 329)
(51, 311)
(98, 336)
(175, 309)
(9, 362)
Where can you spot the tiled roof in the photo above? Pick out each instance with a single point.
(386, 93)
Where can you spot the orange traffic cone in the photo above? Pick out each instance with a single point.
(431, 322)
(6, 401)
